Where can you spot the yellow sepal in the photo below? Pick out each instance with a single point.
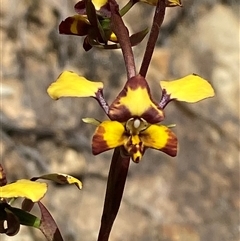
(191, 88)
(70, 84)
(24, 188)
(135, 100)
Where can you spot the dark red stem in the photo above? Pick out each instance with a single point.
(157, 22)
(122, 34)
(115, 187)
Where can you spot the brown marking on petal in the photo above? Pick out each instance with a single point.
(171, 146)
(66, 25)
(121, 112)
(99, 145)
(153, 116)
(134, 149)
(136, 82)
(62, 179)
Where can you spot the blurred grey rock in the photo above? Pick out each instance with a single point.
(194, 196)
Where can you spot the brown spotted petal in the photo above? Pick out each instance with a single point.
(108, 135)
(161, 138)
(75, 25)
(135, 101)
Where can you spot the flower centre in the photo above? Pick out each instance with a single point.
(135, 125)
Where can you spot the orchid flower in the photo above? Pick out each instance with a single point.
(32, 191)
(93, 20)
(134, 115)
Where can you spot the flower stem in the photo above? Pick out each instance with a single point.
(157, 22)
(122, 34)
(127, 7)
(115, 186)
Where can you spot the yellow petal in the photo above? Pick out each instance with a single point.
(161, 138)
(191, 88)
(70, 84)
(24, 188)
(99, 3)
(135, 100)
(113, 38)
(60, 178)
(108, 135)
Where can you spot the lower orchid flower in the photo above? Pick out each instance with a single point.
(134, 115)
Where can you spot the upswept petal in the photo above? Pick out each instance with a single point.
(75, 25)
(161, 138)
(135, 100)
(60, 178)
(108, 135)
(70, 84)
(191, 88)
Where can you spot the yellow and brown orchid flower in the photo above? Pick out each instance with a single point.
(32, 191)
(90, 21)
(134, 116)
(93, 20)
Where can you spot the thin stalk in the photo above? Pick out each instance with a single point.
(115, 187)
(157, 22)
(127, 7)
(122, 34)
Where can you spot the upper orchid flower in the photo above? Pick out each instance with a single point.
(134, 116)
(93, 21)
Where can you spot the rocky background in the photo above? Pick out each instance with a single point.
(193, 197)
